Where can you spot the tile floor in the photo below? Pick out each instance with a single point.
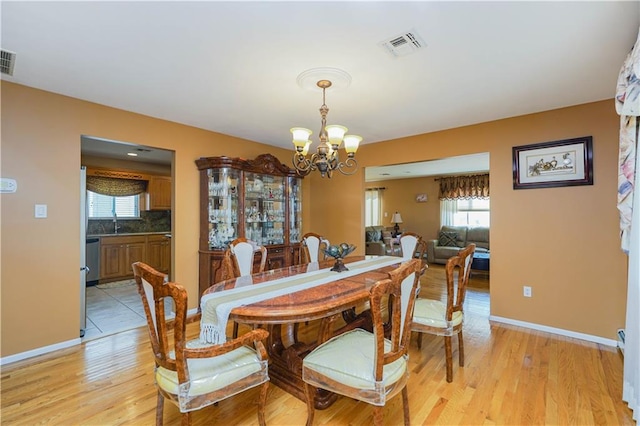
(112, 310)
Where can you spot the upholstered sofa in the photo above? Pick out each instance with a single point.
(453, 238)
(377, 240)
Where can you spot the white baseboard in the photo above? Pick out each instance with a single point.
(39, 351)
(192, 311)
(560, 331)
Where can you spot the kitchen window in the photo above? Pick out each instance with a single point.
(107, 207)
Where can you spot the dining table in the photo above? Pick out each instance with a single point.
(282, 299)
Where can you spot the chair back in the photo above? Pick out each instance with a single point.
(312, 246)
(154, 290)
(457, 271)
(397, 293)
(241, 252)
(410, 243)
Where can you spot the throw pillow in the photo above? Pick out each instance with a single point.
(447, 239)
(372, 236)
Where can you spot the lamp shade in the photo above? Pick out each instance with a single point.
(396, 218)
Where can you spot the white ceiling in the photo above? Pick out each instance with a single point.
(231, 67)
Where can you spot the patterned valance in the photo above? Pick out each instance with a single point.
(464, 187)
(116, 187)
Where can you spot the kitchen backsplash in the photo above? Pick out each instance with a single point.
(150, 221)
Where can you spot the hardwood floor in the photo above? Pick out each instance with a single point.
(512, 376)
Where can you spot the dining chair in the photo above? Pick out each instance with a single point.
(190, 374)
(411, 245)
(365, 365)
(313, 246)
(239, 258)
(446, 319)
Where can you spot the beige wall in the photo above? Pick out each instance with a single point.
(40, 258)
(399, 195)
(563, 242)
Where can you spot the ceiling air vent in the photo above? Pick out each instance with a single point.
(7, 60)
(403, 44)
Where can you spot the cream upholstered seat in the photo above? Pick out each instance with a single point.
(364, 365)
(446, 319)
(313, 246)
(191, 374)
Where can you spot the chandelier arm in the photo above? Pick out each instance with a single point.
(302, 165)
(349, 163)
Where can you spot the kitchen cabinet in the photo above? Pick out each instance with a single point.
(159, 193)
(259, 199)
(159, 253)
(117, 253)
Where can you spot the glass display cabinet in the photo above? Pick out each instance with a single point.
(259, 199)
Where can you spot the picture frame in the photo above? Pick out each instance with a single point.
(421, 198)
(567, 162)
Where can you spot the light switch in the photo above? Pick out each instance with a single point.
(41, 211)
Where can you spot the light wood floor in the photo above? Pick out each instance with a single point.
(512, 376)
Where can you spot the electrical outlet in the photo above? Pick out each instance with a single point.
(526, 291)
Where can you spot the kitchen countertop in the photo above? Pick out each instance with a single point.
(132, 234)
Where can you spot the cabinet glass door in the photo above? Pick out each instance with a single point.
(264, 212)
(295, 209)
(223, 206)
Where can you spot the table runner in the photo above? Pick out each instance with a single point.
(216, 307)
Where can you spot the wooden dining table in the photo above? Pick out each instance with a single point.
(281, 315)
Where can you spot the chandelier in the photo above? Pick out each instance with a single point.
(326, 159)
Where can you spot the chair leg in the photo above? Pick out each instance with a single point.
(378, 416)
(419, 340)
(447, 352)
(460, 349)
(262, 402)
(235, 330)
(185, 419)
(160, 410)
(405, 406)
(309, 393)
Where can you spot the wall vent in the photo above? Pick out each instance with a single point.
(7, 61)
(403, 44)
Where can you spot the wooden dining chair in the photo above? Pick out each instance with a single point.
(239, 258)
(190, 374)
(446, 319)
(313, 246)
(410, 245)
(365, 365)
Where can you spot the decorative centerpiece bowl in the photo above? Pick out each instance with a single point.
(339, 252)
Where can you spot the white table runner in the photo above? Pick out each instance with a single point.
(216, 307)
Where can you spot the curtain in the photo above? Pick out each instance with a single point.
(373, 206)
(115, 187)
(456, 187)
(448, 208)
(627, 102)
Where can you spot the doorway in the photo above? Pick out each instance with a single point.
(412, 190)
(130, 228)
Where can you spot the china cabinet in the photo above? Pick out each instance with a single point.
(259, 199)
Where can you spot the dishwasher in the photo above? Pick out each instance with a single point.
(93, 260)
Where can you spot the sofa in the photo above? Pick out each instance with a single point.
(377, 240)
(451, 239)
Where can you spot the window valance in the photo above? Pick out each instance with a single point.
(464, 187)
(116, 187)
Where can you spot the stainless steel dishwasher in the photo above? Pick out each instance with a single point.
(93, 260)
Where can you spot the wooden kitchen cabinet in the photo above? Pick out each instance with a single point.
(159, 253)
(159, 193)
(117, 253)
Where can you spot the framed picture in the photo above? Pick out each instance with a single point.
(421, 198)
(567, 162)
